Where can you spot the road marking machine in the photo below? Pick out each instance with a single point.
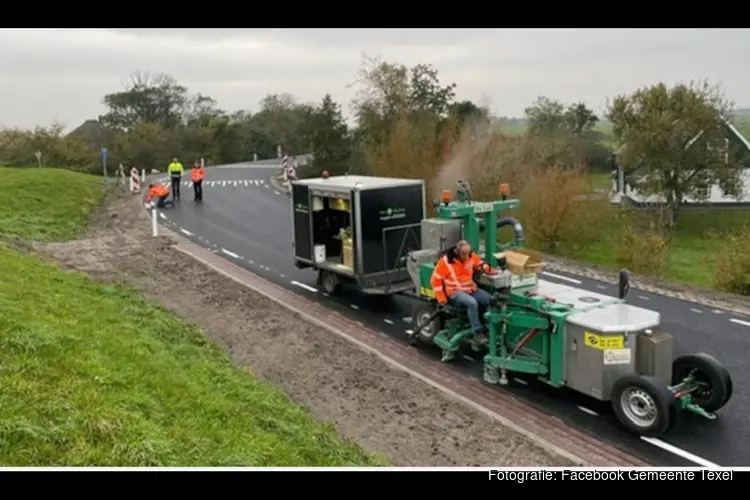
(374, 232)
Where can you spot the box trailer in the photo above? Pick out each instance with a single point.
(358, 229)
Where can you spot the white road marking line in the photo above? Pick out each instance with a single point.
(601, 287)
(697, 311)
(245, 183)
(740, 322)
(564, 278)
(679, 452)
(185, 231)
(353, 306)
(276, 193)
(306, 287)
(283, 276)
(231, 254)
(388, 321)
(406, 319)
(325, 295)
(267, 186)
(223, 183)
(190, 184)
(409, 332)
(586, 410)
(643, 297)
(520, 381)
(717, 311)
(162, 215)
(250, 262)
(468, 358)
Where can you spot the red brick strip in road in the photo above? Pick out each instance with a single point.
(547, 427)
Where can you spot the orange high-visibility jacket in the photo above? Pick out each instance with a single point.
(157, 192)
(197, 173)
(453, 275)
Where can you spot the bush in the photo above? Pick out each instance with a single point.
(733, 264)
(642, 251)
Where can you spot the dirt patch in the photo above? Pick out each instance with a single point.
(383, 409)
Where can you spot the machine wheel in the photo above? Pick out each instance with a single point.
(644, 404)
(421, 314)
(714, 379)
(330, 282)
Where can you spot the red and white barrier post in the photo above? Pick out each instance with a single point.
(135, 181)
(285, 167)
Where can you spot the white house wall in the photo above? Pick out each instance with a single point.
(715, 194)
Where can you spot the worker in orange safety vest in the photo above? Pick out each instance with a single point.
(197, 173)
(453, 280)
(161, 192)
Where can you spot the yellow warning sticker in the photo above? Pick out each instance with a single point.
(600, 342)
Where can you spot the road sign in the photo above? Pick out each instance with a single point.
(104, 154)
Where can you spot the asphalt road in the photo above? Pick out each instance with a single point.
(250, 223)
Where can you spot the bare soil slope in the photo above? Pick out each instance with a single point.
(383, 409)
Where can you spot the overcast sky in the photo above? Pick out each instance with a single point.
(61, 75)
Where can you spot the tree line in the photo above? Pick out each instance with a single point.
(407, 122)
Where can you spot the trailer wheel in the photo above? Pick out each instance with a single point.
(715, 383)
(644, 404)
(421, 314)
(330, 282)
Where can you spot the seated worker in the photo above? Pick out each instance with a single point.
(453, 280)
(161, 192)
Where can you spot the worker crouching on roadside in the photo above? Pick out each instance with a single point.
(161, 193)
(453, 280)
(197, 173)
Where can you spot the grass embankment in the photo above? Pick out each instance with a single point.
(47, 204)
(94, 374)
(692, 248)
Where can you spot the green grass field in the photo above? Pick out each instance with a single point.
(94, 374)
(692, 249)
(46, 204)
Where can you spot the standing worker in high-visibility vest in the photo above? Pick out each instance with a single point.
(175, 171)
(197, 173)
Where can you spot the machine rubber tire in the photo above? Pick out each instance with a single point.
(423, 311)
(710, 370)
(330, 282)
(649, 392)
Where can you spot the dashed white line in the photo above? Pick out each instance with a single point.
(406, 319)
(468, 358)
(697, 311)
(223, 183)
(245, 183)
(520, 381)
(267, 186)
(388, 321)
(601, 287)
(643, 297)
(679, 452)
(276, 193)
(306, 287)
(740, 322)
(409, 332)
(564, 278)
(586, 410)
(185, 231)
(353, 306)
(162, 215)
(234, 183)
(231, 254)
(717, 311)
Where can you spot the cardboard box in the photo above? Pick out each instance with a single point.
(347, 251)
(522, 261)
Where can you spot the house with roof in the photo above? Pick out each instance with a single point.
(625, 184)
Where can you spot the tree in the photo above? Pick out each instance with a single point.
(547, 117)
(668, 134)
(157, 99)
(330, 139)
